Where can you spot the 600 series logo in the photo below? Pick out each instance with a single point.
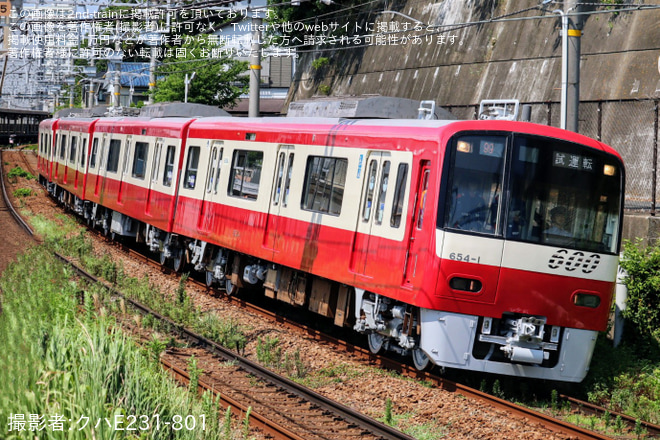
(572, 261)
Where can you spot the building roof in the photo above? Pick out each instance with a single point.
(138, 73)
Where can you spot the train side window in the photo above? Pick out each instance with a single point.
(399, 195)
(422, 201)
(113, 155)
(210, 174)
(371, 189)
(127, 153)
(155, 166)
(95, 149)
(140, 159)
(287, 182)
(83, 147)
(192, 163)
(218, 168)
(325, 179)
(62, 146)
(72, 151)
(245, 174)
(280, 178)
(168, 173)
(382, 192)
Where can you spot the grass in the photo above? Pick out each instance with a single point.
(56, 363)
(64, 360)
(19, 172)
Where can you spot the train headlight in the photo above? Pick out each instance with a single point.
(464, 147)
(487, 326)
(586, 300)
(554, 334)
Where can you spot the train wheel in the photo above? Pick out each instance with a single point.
(209, 278)
(376, 342)
(177, 261)
(420, 360)
(230, 287)
(163, 258)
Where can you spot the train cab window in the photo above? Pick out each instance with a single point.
(399, 195)
(113, 155)
(245, 174)
(563, 194)
(95, 150)
(475, 184)
(192, 163)
(325, 179)
(140, 159)
(72, 151)
(168, 172)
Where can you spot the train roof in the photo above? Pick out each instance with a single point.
(388, 127)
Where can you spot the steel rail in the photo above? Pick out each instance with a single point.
(10, 207)
(257, 420)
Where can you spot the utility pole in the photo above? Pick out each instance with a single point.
(574, 33)
(255, 68)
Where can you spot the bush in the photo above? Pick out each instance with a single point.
(643, 281)
(19, 172)
(22, 192)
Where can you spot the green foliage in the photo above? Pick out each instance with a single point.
(22, 192)
(320, 63)
(268, 352)
(226, 332)
(643, 305)
(226, 425)
(218, 80)
(325, 89)
(388, 420)
(193, 373)
(246, 423)
(19, 172)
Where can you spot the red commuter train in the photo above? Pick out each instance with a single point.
(482, 245)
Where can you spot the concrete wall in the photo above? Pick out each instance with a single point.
(512, 59)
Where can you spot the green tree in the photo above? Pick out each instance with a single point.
(219, 80)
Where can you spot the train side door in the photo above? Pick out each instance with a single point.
(211, 186)
(123, 173)
(101, 162)
(420, 237)
(370, 220)
(276, 225)
(155, 172)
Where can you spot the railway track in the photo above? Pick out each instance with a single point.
(569, 430)
(287, 409)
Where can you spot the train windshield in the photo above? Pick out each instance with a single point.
(555, 192)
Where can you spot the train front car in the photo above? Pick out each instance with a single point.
(47, 131)
(528, 234)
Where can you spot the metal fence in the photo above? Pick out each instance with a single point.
(629, 126)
